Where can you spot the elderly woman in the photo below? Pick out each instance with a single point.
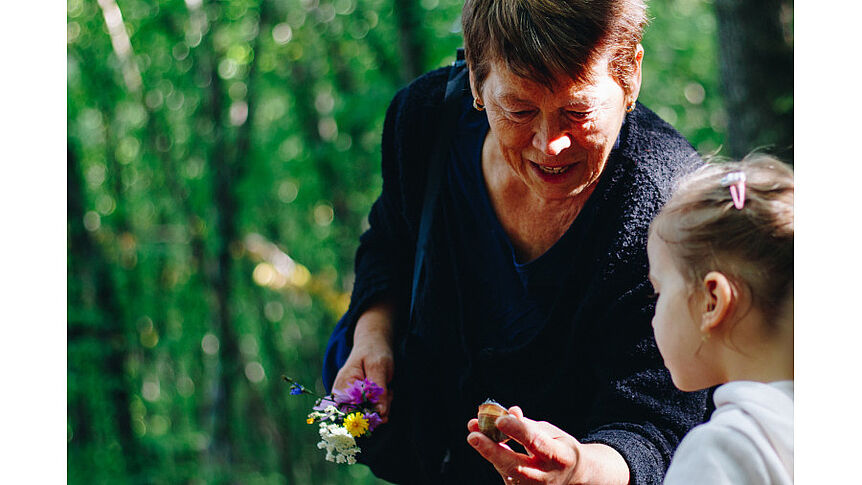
(532, 283)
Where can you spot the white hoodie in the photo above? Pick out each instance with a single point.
(748, 439)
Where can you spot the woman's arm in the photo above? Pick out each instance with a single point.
(362, 344)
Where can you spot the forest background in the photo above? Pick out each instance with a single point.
(221, 160)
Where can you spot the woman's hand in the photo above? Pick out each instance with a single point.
(555, 457)
(371, 356)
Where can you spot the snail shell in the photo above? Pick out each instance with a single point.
(489, 411)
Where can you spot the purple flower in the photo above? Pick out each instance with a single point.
(372, 391)
(360, 392)
(344, 396)
(373, 420)
(296, 389)
(322, 403)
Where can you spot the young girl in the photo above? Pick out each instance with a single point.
(721, 264)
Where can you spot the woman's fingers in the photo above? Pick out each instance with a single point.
(380, 371)
(371, 363)
(348, 373)
(541, 439)
(513, 467)
(500, 455)
(516, 411)
(553, 455)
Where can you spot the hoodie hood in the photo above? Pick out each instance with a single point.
(769, 409)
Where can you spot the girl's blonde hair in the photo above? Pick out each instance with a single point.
(752, 246)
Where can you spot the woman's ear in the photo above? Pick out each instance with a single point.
(718, 301)
(637, 74)
(473, 85)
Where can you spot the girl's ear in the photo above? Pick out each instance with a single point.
(718, 302)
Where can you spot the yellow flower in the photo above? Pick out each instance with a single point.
(310, 420)
(356, 424)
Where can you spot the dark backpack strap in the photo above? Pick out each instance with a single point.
(455, 88)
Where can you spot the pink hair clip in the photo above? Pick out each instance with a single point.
(736, 182)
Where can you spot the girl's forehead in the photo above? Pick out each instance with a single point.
(658, 253)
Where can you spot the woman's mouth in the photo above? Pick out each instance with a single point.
(553, 170)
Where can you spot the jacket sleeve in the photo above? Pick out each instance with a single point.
(639, 411)
(384, 259)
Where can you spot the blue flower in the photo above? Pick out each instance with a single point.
(296, 389)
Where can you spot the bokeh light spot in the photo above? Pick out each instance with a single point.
(274, 311)
(92, 221)
(106, 205)
(287, 191)
(290, 148)
(323, 214)
(238, 113)
(210, 344)
(96, 175)
(263, 274)
(327, 128)
(324, 102)
(300, 276)
(159, 425)
(282, 33)
(254, 372)
(694, 93)
(73, 30)
(151, 390)
(227, 68)
(345, 7)
(185, 386)
(128, 149)
(150, 338)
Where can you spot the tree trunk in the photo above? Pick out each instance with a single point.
(756, 63)
(91, 266)
(410, 39)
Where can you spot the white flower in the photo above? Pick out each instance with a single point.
(340, 445)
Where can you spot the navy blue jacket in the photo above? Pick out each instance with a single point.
(593, 370)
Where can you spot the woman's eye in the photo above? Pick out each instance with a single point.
(520, 114)
(579, 115)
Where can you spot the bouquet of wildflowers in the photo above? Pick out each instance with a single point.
(342, 417)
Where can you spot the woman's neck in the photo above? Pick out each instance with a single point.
(532, 223)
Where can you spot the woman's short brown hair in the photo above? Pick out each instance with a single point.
(542, 40)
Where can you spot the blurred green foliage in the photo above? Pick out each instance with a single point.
(223, 157)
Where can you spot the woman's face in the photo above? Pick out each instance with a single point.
(677, 333)
(556, 141)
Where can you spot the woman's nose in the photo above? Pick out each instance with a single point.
(559, 144)
(550, 139)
